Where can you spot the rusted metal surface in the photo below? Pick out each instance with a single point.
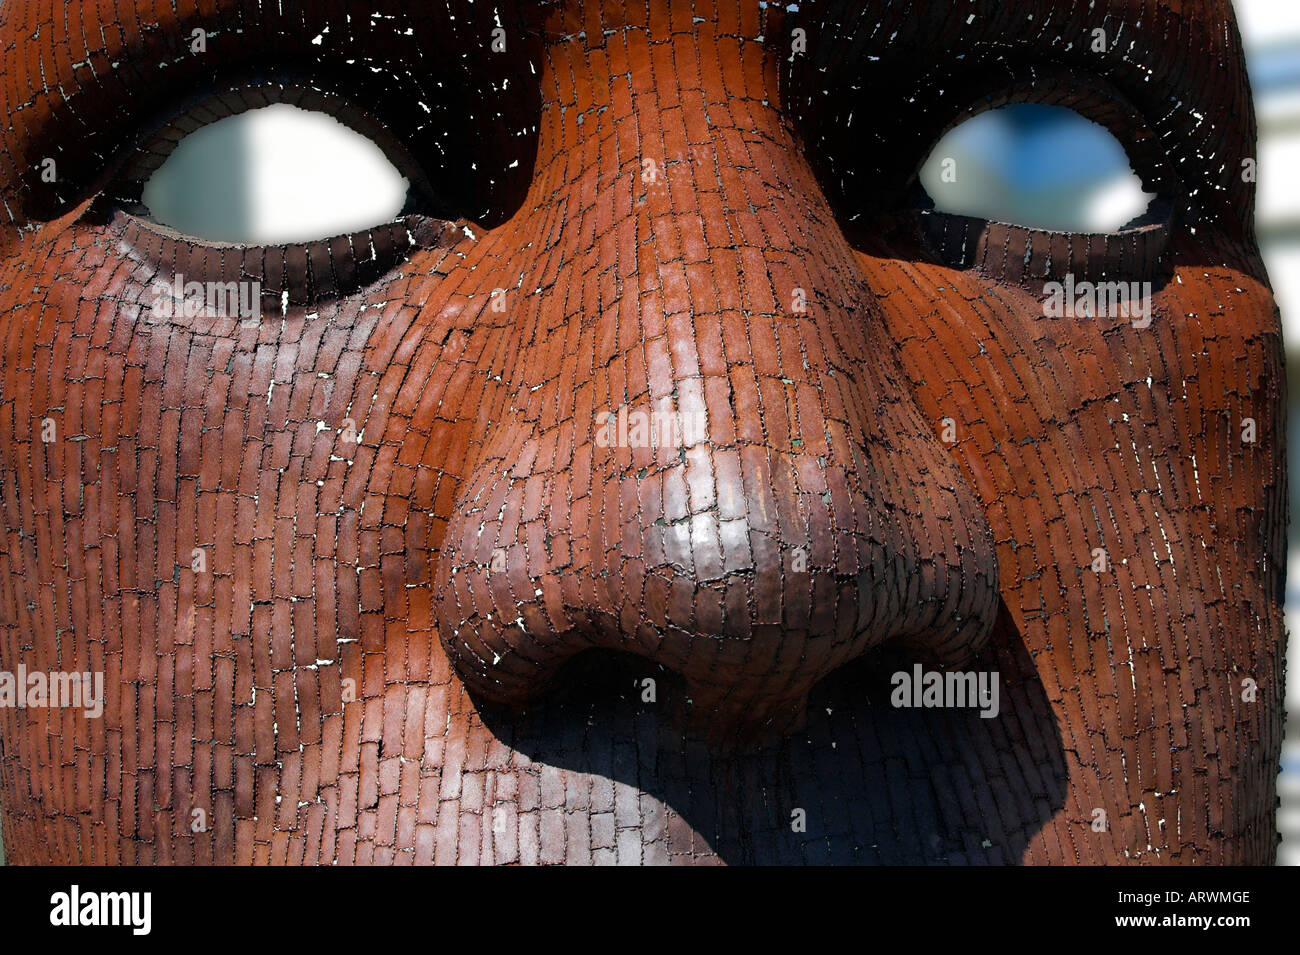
(339, 565)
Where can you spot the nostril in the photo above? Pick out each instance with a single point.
(599, 679)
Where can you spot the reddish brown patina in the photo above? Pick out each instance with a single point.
(369, 581)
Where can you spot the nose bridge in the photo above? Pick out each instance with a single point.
(749, 297)
(721, 402)
(738, 231)
(666, 147)
(731, 217)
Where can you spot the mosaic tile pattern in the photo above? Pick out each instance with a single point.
(367, 582)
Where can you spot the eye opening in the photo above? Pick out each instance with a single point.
(868, 144)
(247, 123)
(274, 174)
(1042, 167)
(1016, 252)
(337, 261)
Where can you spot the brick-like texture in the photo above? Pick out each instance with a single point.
(368, 582)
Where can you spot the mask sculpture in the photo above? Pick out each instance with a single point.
(639, 493)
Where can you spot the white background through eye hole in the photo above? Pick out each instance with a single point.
(274, 175)
(1044, 167)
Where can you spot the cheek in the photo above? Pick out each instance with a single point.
(279, 477)
(1133, 473)
(1193, 372)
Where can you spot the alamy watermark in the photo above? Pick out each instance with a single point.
(626, 428)
(946, 689)
(181, 299)
(1071, 299)
(34, 689)
(78, 907)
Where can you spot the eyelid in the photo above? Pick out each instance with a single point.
(286, 274)
(1018, 254)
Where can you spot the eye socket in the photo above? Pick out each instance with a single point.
(1035, 166)
(274, 174)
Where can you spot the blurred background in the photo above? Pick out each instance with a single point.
(1271, 31)
(1037, 166)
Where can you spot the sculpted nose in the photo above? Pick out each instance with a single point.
(726, 474)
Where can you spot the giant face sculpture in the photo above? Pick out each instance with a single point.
(383, 575)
